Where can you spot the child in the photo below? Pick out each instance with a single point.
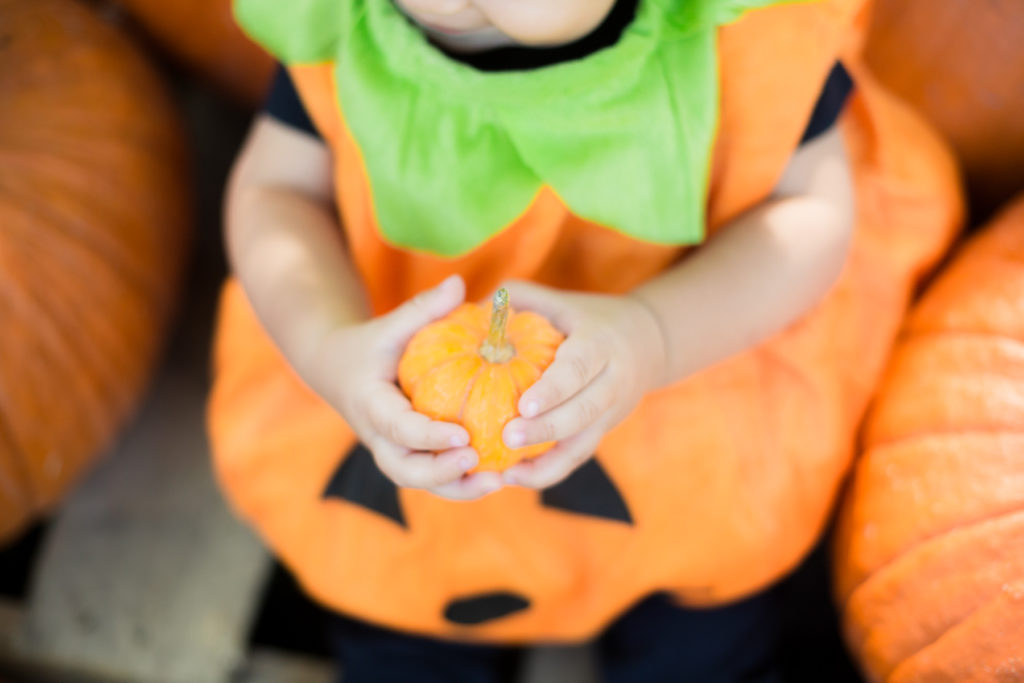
(704, 401)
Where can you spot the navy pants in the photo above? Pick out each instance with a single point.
(654, 642)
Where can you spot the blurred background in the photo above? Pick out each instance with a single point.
(118, 558)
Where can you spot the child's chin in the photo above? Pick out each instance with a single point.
(471, 41)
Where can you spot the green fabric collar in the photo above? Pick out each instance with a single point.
(454, 155)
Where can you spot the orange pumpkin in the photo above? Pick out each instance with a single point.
(961, 64)
(204, 36)
(930, 550)
(467, 370)
(94, 216)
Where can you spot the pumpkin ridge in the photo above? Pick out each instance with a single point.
(97, 396)
(49, 337)
(527, 352)
(469, 389)
(931, 333)
(911, 557)
(9, 444)
(952, 629)
(413, 382)
(932, 641)
(999, 513)
(102, 248)
(922, 435)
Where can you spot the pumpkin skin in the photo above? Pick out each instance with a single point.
(94, 220)
(930, 546)
(449, 375)
(960, 63)
(203, 35)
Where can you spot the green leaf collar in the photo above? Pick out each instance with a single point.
(454, 155)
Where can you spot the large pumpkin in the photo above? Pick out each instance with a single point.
(931, 538)
(472, 367)
(961, 63)
(204, 36)
(93, 224)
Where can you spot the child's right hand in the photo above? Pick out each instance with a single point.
(414, 451)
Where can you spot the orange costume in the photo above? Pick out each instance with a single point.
(715, 486)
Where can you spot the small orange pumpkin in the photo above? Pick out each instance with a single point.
(467, 370)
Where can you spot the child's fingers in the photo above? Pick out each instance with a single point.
(565, 420)
(420, 470)
(555, 465)
(577, 362)
(552, 304)
(429, 305)
(470, 487)
(392, 416)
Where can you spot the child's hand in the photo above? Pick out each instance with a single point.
(614, 353)
(362, 361)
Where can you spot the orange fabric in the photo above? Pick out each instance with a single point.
(931, 536)
(728, 476)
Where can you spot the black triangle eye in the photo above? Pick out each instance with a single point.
(588, 491)
(358, 480)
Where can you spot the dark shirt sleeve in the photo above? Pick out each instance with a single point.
(830, 103)
(284, 104)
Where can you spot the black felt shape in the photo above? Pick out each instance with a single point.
(588, 491)
(478, 609)
(358, 480)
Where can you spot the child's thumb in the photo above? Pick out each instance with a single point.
(425, 308)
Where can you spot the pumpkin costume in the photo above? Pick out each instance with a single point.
(589, 175)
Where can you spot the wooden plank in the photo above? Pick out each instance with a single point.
(11, 617)
(274, 666)
(145, 575)
(559, 665)
(540, 665)
(14, 666)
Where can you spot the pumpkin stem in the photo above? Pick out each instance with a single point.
(497, 349)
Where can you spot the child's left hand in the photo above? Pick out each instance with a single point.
(613, 354)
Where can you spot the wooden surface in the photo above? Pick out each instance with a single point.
(261, 666)
(145, 574)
